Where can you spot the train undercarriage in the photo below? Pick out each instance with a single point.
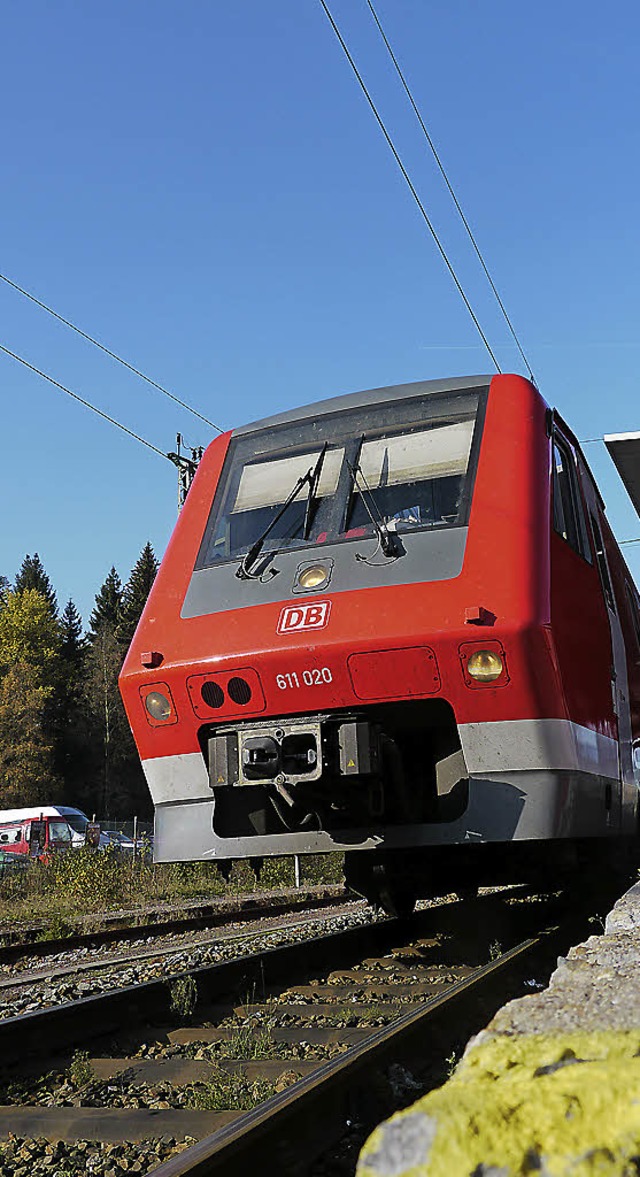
(397, 766)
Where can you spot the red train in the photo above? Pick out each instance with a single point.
(396, 624)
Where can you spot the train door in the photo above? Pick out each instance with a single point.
(582, 637)
(619, 675)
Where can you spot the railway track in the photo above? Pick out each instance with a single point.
(309, 1033)
(67, 963)
(205, 916)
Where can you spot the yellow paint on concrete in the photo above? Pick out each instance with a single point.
(555, 1104)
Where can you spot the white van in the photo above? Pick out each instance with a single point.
(15, 822)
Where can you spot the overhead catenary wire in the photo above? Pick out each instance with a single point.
(450, 189)
(86, 403)
(107, 351)
(409, 183)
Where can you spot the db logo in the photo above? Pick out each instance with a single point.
(295, 617)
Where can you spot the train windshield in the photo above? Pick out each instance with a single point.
(412, 479)
(357, 471)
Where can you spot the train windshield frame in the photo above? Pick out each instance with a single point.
(407, 464)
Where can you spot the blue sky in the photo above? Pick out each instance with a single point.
(203, 187)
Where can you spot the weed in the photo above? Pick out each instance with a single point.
(361, 1013)
(80, 1070)
(495, 950)
(228, 1091)
(597, 919)
(251, 1040)
(184, 997)
(452, 1062)
(57, 928)
(93, 881)
(322, 868)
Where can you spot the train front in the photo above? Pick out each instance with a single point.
(312, 650)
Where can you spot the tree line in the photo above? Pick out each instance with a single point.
(64, 735)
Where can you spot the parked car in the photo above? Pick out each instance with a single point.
(124, 842)
(119, 840)
(12, 864)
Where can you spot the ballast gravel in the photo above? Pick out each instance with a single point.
(37, 1158)
(44, 993)
(21, 1157)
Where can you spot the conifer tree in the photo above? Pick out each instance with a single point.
(33, 576)
(116, 778)
(117, 781)
(136, 591)
(72, 643)
(72, 751)
(108, 605)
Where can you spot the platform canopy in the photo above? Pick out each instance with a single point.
(625, 451)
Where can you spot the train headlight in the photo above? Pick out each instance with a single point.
(485, 666)
(158, 706)
(310, 577)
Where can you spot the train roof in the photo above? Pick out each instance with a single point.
(354, 400)
(624, 449)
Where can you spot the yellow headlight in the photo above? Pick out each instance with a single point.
(158, 706)
(485, 666)
(313, 577)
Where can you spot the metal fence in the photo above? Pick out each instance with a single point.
(130, 827)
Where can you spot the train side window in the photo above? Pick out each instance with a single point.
(603, 567)
(568, 514)
(634, 610)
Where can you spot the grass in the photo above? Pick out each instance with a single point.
(252, 1041)
(228, 1091)
(80, 883)
(80, 1070)
(184, 997)
(363, 1013)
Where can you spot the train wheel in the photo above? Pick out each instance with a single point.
(382, 884)
(396, 897)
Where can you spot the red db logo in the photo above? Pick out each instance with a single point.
(296, 617)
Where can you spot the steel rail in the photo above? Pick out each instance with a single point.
(316, 1109)
(71, 1024)
(122, 960)
(205, 916)
(350, 960)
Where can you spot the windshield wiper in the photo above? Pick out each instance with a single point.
(313, 491)
(311, 478)
(388, 540)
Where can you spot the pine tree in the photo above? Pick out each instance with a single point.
(33, 576)
(136, 591)
(72, 752)
(118, 787)
(4, 588)
(115, 779)
(73, 644)
(108, 605)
